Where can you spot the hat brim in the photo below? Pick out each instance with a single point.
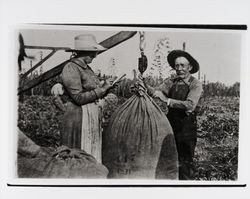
(97, 48)
(180, 53)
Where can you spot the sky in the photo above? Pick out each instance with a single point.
(219, 52)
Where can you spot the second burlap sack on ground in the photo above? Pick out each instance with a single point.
(139, 141)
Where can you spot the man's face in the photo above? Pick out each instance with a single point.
(182, 67)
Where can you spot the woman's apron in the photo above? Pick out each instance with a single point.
(91, 136)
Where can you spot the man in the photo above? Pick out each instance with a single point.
(182, 95)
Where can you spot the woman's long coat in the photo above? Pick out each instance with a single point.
(81, 125)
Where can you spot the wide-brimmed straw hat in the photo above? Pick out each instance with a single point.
(180, 53)
(87, 42)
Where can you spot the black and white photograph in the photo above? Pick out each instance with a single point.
(124, 99)
(128, 103)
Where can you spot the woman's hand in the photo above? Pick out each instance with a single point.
(107, 85)
(140, 77)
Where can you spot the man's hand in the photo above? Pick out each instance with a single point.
(161, 96)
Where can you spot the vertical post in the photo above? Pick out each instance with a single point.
(112, 65)
(184, 46)
(31, 75)
(134, 74)
(203, 80)
(42, 87)
(41, 58)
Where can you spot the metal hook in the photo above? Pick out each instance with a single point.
(142, 44)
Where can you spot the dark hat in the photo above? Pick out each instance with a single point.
(180, 53)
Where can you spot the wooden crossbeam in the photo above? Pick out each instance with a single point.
(107, 43)
(38, 64)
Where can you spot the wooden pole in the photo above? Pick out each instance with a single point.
(184, 46)
(31, 75)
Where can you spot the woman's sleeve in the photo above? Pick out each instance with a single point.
(72, 81)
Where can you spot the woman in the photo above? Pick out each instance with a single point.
(81, 124)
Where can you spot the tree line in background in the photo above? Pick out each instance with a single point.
(161, 50)
(210, 89)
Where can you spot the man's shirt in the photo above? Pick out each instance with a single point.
(195, 91)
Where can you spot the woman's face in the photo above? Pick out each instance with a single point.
(88, 56)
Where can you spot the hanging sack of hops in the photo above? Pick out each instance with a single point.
(139, 141)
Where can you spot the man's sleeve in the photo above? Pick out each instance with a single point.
(192, 99)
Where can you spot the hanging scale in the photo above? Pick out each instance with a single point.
(142, 61)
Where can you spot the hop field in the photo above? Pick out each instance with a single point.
(216, 155)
